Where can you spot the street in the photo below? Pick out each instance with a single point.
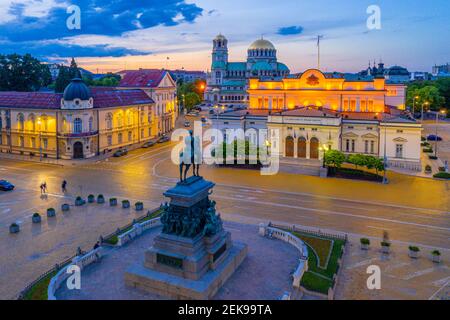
(412, 210)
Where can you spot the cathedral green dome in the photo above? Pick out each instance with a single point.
(77, 89)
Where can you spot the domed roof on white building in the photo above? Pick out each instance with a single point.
(262, 44)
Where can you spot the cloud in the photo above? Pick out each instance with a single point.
(99, 17)
(43, 50)
(292, 30)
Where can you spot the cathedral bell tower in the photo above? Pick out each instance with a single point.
(219, 59)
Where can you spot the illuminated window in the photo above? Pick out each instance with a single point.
(77, 125)
(20, 121)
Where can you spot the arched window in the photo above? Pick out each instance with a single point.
(119, 120)
(44, 122)
(91, 124)
(109, 121)
(20, 121)
(77, 125)
(129, 118)
(32, 120)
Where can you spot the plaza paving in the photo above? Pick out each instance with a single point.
(264, 274)
(412, 209)
(401, 276)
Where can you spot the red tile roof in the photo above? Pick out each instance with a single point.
(145, 78)
(30, 100)
(103, 98)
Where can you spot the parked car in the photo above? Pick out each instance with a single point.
(211, 111)
(148, 144)
(163, 139)
(187, 124)
(203, 119)
(6, 185)
(120, 153)
(433, 137)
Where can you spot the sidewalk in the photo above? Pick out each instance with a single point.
(434, 164)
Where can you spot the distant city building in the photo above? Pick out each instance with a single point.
(80, 123)
(161, 87)
(315, 110)
(187, 76)
(227, 82)
(442, 69)
(395, 74)
(419, 75)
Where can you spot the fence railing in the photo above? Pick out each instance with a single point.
(319, 233)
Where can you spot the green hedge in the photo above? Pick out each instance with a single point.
(442, 175)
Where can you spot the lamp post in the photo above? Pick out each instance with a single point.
(323, 148)
(425, 103)
(414, 105)
(436, 132)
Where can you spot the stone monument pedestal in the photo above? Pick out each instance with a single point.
(193, 256)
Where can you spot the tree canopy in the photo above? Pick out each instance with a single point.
(65, 75)
(23, 73)
(436, 93)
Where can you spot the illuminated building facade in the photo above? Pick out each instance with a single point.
(81, 123)
(316, 111)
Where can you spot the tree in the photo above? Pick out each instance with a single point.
(357, 160)
(374, 163)
(63, 79)
(74, 72)
(191, 99)
(334, 158)
(22, 73)
(428, 91)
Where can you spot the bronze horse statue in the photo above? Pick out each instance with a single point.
(192, 162)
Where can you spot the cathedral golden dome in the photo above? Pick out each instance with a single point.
(261, 44)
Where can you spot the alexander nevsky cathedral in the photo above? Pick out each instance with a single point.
(227, 82)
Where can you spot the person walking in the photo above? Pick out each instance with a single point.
(63, 186)
(42, 188)
(44, 185)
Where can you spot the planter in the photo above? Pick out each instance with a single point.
(36, 218)
(436, 256)
(125, 204)
(413, 252)
(91, 198)
(139, 206)
(79, 201)
(65, 207)
(100, 199)
(113, 202)
(14, 228)
(385, 247)
(365, 243)
(51, 212)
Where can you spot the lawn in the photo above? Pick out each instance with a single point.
(39, 290)
(319, 278)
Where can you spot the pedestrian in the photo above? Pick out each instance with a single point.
(45, 187)
(63, 186)
(42, 188)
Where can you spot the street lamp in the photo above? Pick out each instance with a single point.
(385, 181)
(436, 133)
(425, 103)
(323, 148)
(414, 104)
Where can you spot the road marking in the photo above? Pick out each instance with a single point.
(384, 229)
(154, 172)
(396, 266)
(441, 282)
(418, 273)
(337, 213)
(361, 263)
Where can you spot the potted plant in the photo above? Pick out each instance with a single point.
(91, 198)
(139, 206)
(36, 218)
(100, 199)
(427, 168)
(365, 243)
(51, 212)
(79, 201)
(65, 207)
(14, 228)
(125, 204)
(113, 202)
(436, 256)
(414, 252)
